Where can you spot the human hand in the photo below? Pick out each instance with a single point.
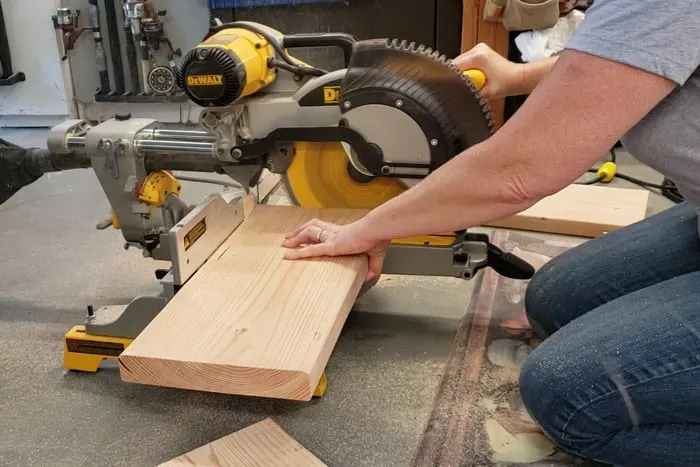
(319, 238)
(503, 77)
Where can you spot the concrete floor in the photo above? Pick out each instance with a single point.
(383, 373)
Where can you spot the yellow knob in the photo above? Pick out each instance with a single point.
(477, 77)
(607, 171)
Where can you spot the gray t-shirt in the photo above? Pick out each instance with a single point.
(662, 37)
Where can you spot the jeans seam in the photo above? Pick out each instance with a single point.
(576, 411)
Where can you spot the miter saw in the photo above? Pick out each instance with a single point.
(351, 138)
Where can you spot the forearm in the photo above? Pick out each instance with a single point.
(553, 139)
(467, 191)
(489, 181)
(532, 74)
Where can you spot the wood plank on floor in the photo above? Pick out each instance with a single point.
(265, 444)
(250, 322)
(582, 210)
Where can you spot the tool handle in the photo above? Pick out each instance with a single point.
(508, 264)
(345, 41)
(477, 77)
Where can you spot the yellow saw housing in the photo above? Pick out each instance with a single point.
(318, 177)
(234, 63)
(229, 65)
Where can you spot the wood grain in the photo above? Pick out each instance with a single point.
(265, 444)
(250, 322)
(582, 210)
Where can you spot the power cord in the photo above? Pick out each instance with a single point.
(608, 171)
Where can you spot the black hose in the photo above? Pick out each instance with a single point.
(20, 167)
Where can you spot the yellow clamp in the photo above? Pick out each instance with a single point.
(477, 77)
(157, 186)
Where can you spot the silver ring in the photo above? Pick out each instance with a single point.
(318, 235)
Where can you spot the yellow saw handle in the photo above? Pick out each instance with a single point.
(477, 77)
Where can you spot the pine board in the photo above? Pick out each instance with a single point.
(265, 444)
(582, 210)
(250, 322)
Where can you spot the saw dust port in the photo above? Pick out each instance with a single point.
(478, 418)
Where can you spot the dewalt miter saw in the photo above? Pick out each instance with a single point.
(351, 138)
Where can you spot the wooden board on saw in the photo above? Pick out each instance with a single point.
(250, 322)
(582, 210)
(265, 444)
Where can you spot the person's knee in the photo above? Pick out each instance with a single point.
(544, 387)
(553, 394)
(562, 290)
(541, 390)
(543, 294)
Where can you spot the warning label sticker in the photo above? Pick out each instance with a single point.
(195, 233)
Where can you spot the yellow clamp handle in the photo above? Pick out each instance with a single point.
(477, 77)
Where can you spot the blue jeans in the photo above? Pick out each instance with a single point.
(617, 377)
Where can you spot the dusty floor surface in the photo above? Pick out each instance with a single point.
(384, 373)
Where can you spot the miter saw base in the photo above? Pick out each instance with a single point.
(84, 352)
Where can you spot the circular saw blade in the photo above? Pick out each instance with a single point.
(318, 177)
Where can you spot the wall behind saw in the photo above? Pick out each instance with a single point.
(186, 23)
(34, 52)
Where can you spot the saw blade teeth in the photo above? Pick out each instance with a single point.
(421, 49)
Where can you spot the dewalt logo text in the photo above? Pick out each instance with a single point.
(331, 94)
(205, 80)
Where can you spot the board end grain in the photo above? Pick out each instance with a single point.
(221, 379)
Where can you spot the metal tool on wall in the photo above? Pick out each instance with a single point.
(8, 76)
(135, 12)
(131, 57)
(67, 23)
(144, 33)
(100, 56)
(114, 46)
(161, 79)
(148, 31)
(144, 80)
